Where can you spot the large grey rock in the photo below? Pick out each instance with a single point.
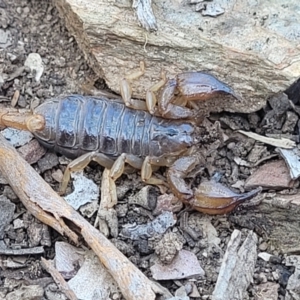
(252, 46)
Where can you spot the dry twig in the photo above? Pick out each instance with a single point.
(59, 280)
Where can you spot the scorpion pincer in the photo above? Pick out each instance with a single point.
(144, 135)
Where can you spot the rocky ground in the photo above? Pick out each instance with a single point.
(39, 60)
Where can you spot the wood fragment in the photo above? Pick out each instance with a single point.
(15, 98)
(292, 159)
(107, 216)
(237, 268)
(59, 280)
(47, 206)
(280, 143)
(23, 251)
(145, 14)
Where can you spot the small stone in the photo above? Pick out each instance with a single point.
(85, 191)
(267, 291)
(89, 209)
(167, 202)
(168, 247)
(92, 280)
(185, 265)
(67, 259)
(265, 256)
(9, 193)
(275, 275)
(32, 151)
(157, 226)
(57, 175)
(49, 161)
(145, 197)
(3, 38)
(64, 160)
(273, 175)
(17, 137)
(256, 153)
(7, 212)
(263, 246)
(18, 223)
(26, 10)
(290, 122)
(262, 277)
(35, 64)
(194, 293)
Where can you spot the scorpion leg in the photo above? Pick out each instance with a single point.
(136, 162)
(126, 90)
(80, 163)
(151, 99)
(151, 162)
(119, 165)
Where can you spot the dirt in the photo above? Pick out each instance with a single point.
(35, 27)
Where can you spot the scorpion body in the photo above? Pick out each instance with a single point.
(76, 125)
(145, 135)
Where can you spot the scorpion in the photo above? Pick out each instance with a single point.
(145, 135)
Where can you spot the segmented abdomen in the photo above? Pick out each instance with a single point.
(77, 124)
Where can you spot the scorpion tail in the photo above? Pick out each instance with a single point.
(21, 119)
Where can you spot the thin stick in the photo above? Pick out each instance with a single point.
(59, 280)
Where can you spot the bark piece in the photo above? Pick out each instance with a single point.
(252, 46)
(293, 286)
(282, 142)
(23, 251)
(268, 290)
(276, 219)
(26, 292)
(237, 268)
(292, 159)
(107, 215)
(42, 202)
(272, 175)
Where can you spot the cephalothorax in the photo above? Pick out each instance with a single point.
(145, 135)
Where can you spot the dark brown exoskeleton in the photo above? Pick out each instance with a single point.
(142, 134)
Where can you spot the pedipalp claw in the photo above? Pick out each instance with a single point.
(213, 198)
(202, 86)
